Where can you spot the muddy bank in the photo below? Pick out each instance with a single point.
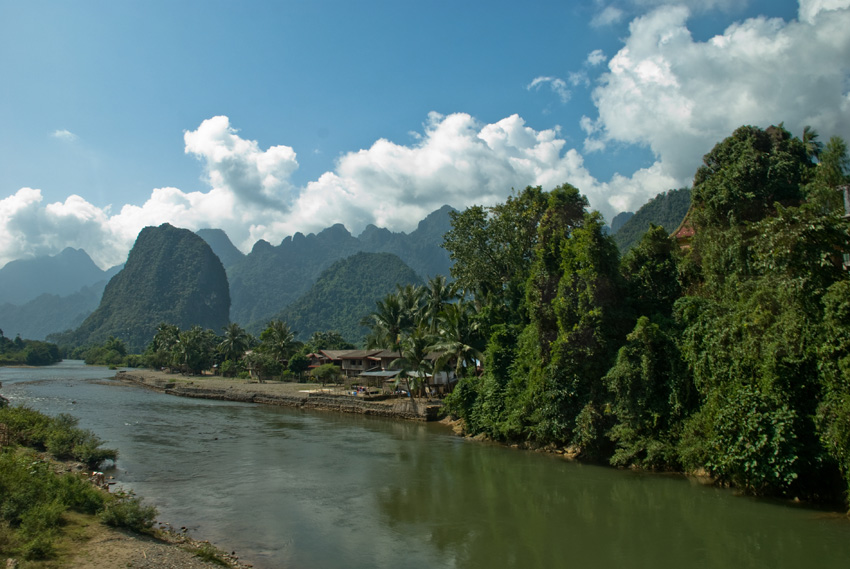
(304, 396)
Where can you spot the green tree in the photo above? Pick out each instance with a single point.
(652, 273)
(415, 363)
(278, 341)
(438, 293)
(652, 395)
(831, 173)
(298, 364)
(457, 338)
(235, 343)
(160, 352)
(195, 349)
(833, 413)
(327, 373)
(492, 250)
(328, 340)
(589, 316)
(811, 143)
(387, 323)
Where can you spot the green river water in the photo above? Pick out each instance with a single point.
(309, 490)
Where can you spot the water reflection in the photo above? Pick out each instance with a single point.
(307, 490)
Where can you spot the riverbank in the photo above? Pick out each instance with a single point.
(301, 395)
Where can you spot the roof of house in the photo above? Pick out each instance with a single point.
(334, 354)
(357, 354)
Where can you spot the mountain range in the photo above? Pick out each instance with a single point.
(271, 278)
(292, 280)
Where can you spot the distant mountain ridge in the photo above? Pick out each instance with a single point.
(346, 292)
(49, 313)
(63, 274)
(221, 245)
(272, 277)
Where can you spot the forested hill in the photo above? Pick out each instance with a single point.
(171, 275)
(271, 277)
(25, 279)
(730, 356)
(345, 293)
(667, 209)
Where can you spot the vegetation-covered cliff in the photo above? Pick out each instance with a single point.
(171, 275)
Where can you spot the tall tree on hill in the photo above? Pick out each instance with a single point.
(492, 250)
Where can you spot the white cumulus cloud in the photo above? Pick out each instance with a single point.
(677, 96)
(455, 160)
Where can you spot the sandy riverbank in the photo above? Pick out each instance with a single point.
(301, 395)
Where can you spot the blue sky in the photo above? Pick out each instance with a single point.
(266, 118)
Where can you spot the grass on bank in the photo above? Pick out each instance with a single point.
(41, 507)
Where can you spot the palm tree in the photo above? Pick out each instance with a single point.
(161, 348)
(439, 293)
(811, 142)
(387, 323)
(278, 340)
(411, 298)
(194, 349)
(414, 363)
(235, 343)
(458, 339)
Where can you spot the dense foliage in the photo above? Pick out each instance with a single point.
(276, 354)
(34, 499)
(666, 210)
(729, 356)
(27, 352)
(171, 275)
(431, 329)
(111, 353)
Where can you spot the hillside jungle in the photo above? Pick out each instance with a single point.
(723, 350)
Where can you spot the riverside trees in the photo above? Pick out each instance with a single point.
(727, 356)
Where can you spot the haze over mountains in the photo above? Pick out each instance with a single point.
(301, 280)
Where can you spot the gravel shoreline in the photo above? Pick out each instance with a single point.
(301, 395)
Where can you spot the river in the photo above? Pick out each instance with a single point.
(296, 489)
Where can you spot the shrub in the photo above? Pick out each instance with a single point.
(58, 435)
(126, 511)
